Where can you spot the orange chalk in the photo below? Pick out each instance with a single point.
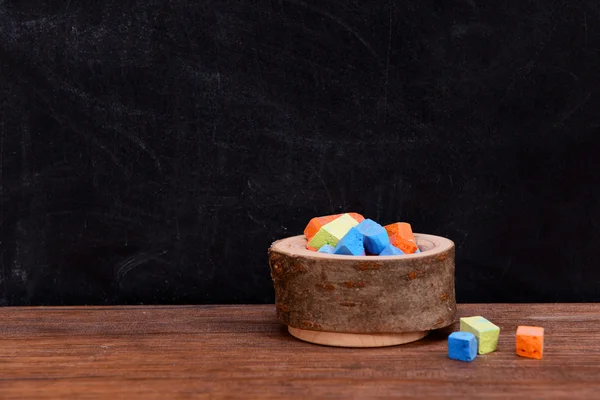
(406, 246)
(359, 218)
(402, 229)
(401, 236)
(312, 248)
(530, 342)
(316, 223)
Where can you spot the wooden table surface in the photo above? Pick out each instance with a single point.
(167, 352)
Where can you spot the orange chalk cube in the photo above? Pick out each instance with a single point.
(530, 342)
(401, 236)
(406, 246)
(401, 229)
(359, 218)
(318, 222)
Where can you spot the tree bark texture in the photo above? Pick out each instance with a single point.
(364, 294)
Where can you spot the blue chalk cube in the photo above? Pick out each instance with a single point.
(375, 236)
(462, 346)
(326, 249)
(391, 250)
(351, 244)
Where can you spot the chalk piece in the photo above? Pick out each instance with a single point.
(375, 236)
(406, 246)
(311, 248)
(402, 229)
(391, 250)
(462, 346)
(530, 342)
(359, 218)
(318, 222)
(326, 249)
(402, 237)
(333, 232)
(486, 333)
(351, 244)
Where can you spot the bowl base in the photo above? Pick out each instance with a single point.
(356, 339)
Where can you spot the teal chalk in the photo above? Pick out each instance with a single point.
(391, 250)
(375, 236)
(462, 346)
(351, 244)
(326, 249)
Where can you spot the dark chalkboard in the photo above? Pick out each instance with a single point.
(150, 151)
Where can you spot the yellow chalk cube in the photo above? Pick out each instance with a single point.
(485, 332)
(333, 232)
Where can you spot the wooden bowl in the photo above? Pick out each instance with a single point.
(363, 301)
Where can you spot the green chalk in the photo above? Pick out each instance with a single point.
(332, 232)
(486, 333)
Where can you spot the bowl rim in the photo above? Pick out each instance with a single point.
(296, 246)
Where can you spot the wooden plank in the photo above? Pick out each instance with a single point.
(244, 352)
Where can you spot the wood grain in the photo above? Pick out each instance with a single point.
(244, 352)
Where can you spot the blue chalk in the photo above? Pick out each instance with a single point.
(351, 244)
(375, 236)
(462, 346)
(391, 250)
(326, 249)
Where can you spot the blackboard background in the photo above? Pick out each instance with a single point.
(150, 151)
